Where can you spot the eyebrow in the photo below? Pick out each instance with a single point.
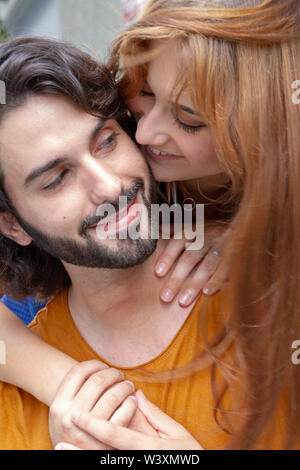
(181, 106)
(37, 172)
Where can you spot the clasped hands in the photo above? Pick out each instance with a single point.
(95, 408)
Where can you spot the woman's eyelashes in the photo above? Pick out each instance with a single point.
(146, 93)
(104, 145)
(189, 128)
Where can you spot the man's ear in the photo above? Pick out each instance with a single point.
(10, 228)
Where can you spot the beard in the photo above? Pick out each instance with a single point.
(90, 253)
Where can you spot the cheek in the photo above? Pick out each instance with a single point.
(59, 216)
(132, 161)
(200, 149)
(135, 104)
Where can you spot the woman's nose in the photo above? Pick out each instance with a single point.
(151, 129)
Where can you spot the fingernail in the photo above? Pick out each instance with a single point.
(160, 268)
(139, 393)
(133, 397)
(209, 290)
(75, 416)
(132, 384)
(59, 447)
(142, 401)
(167, 295)
(185, 298)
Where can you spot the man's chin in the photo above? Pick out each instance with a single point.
(110, 253)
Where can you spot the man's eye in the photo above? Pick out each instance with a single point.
(57, 181)
(110, 141)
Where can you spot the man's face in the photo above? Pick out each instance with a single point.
(60, 164)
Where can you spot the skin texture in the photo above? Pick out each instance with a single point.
(181, 132)
(87, 176)
(92, 171)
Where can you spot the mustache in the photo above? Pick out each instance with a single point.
(130, 193)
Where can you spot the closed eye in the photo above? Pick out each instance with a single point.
(57, 181)
(110, 141)
(146, 93)
(188, 127)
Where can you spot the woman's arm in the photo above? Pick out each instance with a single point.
(48, 374)
(30, 363)
(38, 368)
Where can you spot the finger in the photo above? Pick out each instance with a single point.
(95, 386)
(185, 265)
(113, 435)
(139, 423)
(217, 281)
(75, 378)
(83, 440)
(169, 256)
(78, 437)
(199, 279)
(112, 399)
(158, 419)
(124, 414)
(65, 446)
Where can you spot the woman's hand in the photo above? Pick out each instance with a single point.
(170, 434)
(95, 388)
(102, 391)
(195, 269)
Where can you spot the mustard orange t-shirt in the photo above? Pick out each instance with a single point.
(188, 399)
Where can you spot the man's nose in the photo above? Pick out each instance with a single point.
(104, 183)
(151, 128)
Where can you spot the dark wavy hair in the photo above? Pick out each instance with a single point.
(31, 66)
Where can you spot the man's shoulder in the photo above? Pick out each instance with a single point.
(23, 420)
(55, 325)
(52, 315)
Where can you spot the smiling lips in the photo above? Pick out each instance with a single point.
(121, 220)
(159, 155)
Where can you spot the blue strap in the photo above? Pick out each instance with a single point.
(26, 309)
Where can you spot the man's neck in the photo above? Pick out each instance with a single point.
(119, 313)
(100, 291)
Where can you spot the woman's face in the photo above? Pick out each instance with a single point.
(177, 144)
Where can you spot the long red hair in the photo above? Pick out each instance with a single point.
(239, 60)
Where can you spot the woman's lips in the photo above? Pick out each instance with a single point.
(161, 156)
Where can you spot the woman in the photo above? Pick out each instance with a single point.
(230, 65)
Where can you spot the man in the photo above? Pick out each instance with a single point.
(64, 154)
